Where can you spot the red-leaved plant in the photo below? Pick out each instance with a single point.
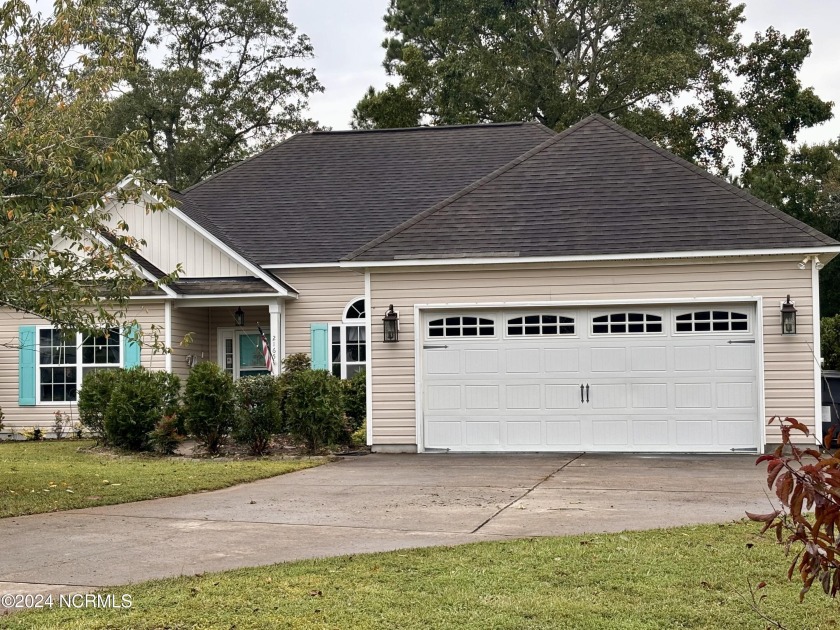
(805, 479)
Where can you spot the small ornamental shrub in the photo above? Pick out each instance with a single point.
(94, 397)
(359, 436)
(314, 409)
(257, 411)
(165, 437)
(61, 423)
(209, 404)
(292, 364)
(355, 400)
(135, 408)
(830, 342)
(170, 392)
(805, 479)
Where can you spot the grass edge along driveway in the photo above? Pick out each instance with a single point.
(689, 577)
(38, 477)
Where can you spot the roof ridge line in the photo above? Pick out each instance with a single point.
(720, 182)
(509, 123)
(468, 189)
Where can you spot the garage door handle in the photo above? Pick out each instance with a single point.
(581, 392)
(435, 347)
(587, 392)
(741, 341)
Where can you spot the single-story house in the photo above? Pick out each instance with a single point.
(585, 290)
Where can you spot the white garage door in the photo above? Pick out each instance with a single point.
(670, 379)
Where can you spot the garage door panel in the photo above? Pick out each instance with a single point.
(563, 433)
(693, 395)
(692, 358)
(651, 432)
(610, 433)
(649, 395)
(444, 433)
(609, 359)
(443, 362)
(562, 360)
(444, 397)
(649, 359)
(608, 396)
(560, 396)
(481, 361)
(522, 397)
(522, 361)
(694, 433)
(483, 432)
(524, 433)
(735, 357)
(481, 396)
(735, 395)
(736, 433)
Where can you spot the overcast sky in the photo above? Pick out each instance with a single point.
(347, 36)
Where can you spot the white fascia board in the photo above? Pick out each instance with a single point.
(436, 262)
(725, 299)
(303, 266)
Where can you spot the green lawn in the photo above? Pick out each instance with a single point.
(691, 577)
(40, 477)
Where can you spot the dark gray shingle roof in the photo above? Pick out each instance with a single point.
(221, 286)
(317, 197)
(595, 189)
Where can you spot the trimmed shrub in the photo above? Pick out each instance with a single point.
(135, 408)
(170, 392)
(355, 400)
(292, 364)
(314, 409)
(209, 404)
(166, 436)
(359, 436)
(94, 397)
(257, 411)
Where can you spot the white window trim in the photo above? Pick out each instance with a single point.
(79, 368)
(592, 323)
(510, 316)
(707, 333)
(342, 327)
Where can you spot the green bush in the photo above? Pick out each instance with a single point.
(359, 436)
(135, 408)
(209, 404)
(830, 338)
(2, 417)
(257, 411)
(314, 411)
(170, 391)
(94, 397)
(292, 364)
(355, 400)
(166, 436)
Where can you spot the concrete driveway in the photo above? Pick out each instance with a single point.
(373, 503)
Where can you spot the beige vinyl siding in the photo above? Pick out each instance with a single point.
(170, 241)
(788, 360)
(194, 322)
(42, 414)
(324, 294)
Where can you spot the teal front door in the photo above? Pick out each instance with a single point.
(251, 358)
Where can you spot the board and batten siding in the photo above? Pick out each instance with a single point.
(18, 417)
(170, 241)
(324, 294)
(788, 360)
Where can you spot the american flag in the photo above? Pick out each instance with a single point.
(266, 350)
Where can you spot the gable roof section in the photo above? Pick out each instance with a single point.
(595, 189)
(317, 197)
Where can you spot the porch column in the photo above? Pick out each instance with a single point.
(275, 311)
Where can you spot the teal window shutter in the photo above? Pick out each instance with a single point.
(131, 347)
(26, 366)
(320, 347)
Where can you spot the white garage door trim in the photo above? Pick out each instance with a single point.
(420, 335)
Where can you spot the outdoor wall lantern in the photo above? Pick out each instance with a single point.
(391, 324)
(239, 317)
(788, 317)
